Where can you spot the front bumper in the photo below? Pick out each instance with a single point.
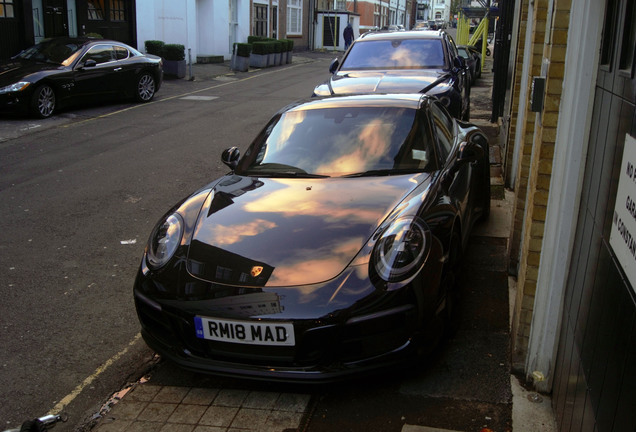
(326, 349)
(14, 102)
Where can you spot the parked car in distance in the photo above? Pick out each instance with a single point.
(330, 249)
(403, 62)
(61, 72)
(421, 25)
(472, 59)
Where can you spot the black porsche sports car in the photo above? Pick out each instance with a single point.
(63, 71)
(403, 62)
(329, 249)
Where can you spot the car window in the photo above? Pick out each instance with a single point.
(121, 53)
(53, 51)
(99, 53)
(463, 52)
(341, 141)
(395, 54)
(443, 129)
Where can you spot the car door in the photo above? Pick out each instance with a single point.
(126, 69)
(95, 73)
(460, 180)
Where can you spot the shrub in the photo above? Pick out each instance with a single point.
(94, 36)
(261, 48)
(252, 39)
(154, 47)
(174, 52)
(277, 46)
(242, 49)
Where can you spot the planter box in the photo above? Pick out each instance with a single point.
(175, 68)
(239, 63)
(258, 60)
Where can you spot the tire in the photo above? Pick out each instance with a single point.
(145, 88)
(43, 101)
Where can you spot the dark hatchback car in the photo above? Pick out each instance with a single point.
(66, 71)
(403, 62)
(329, 249)
(472, 57)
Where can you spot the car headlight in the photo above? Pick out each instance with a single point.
(164, 241)
(19, 86)
(401, 249)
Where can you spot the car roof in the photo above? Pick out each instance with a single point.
(398, 100)
(411, 34)
(82, 40)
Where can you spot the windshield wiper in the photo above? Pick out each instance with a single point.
(385, 172)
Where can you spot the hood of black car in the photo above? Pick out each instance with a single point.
(383, 81)
(289, 232)
(17, 70)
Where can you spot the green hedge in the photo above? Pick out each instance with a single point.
(288, 44)
(154, 47)
(174, 52)
(262, 48)
(242, 49)
(252, 39)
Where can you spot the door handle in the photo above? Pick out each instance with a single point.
(117, 69)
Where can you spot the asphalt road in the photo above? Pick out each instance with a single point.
(79, 194)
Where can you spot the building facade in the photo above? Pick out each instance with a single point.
(204, 27)
(570, 152)
(25, 22)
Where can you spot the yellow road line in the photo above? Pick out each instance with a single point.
(101, 369)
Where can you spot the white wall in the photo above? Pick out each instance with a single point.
(199, 25)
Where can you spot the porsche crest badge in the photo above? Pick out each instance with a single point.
(256, 270)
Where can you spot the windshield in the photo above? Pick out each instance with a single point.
(339, 142)
(53, 51)
(395, 54)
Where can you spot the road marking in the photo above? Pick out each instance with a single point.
(88, 380)
(182, 95)
(199, 98)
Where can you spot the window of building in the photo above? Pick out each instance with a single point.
(295, 17)
(117, 10)
(626, 62)
(260, 20)
(95, 10)
(607, 41)
(7, 9)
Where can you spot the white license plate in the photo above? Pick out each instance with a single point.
(245, 332)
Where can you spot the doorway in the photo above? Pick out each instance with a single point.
(55, 18)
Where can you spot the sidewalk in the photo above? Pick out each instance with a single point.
(185, 408)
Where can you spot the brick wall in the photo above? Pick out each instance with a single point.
(549, 48)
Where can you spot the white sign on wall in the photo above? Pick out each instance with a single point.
(623, 234)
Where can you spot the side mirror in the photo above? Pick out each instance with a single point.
(469, 152)
(231, 156)
(90, 63)
(460, 63)
(334, 65)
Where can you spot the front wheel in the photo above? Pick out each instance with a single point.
(146, 88)
(43, 101)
